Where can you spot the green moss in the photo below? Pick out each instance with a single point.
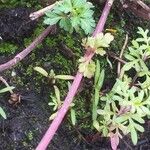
(37, 32)
(51, 42)
(30, 136)
(7, 48)
(40, 28)
(16, 3)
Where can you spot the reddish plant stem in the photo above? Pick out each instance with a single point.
(73, 89)
(26, 51)
(103, 18)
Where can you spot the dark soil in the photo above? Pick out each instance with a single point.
(15, 24)
(27, 122)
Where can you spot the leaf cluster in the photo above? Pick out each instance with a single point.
(52, 75)
(56, 103)
(72, 15)
(86, 67)
(138, 53)
(98, 43)
(124, 108)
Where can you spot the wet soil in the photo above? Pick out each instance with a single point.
(28, 121)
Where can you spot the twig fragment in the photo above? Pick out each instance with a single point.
(111, 54)
(143, 5)
(121, 54)
(40, 12)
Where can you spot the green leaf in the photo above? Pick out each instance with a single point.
(94, 111)
(66, 24)
(85, 26)
(64, 77)
(143, 47)
(52, 18)
(128, 66)
(73, 116)
(41, 71)
(134, 135)
(145, 110)
(78, 3)
(88, 69)
(121, 119)
(108, 38)
(2, 113)
(97, 72)
(135, 44)
(51, 104)
(57, 93)
(75, 21)
(143, 66)
(66, 6)
(7, 89)
(129, 57)
(100, 51)
(96, 125)
(101, 79)
(52, 117)
(138, 127)
(109, 62)
(105, 131)
(87, 13)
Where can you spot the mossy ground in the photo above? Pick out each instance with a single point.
(51, 54)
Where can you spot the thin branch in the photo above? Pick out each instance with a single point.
(143, 5)
(40, 12)
(73, 89)
(26, 51)
(134, 79)
(121, 54)
(111, 54)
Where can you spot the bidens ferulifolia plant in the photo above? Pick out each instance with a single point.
(122, 110)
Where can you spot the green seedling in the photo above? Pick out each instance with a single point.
(4, 90)
(98, 82)
(57, 103)
(52, 75)
(96, 45)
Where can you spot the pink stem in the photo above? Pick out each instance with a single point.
(26, 51)
(73, 89)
